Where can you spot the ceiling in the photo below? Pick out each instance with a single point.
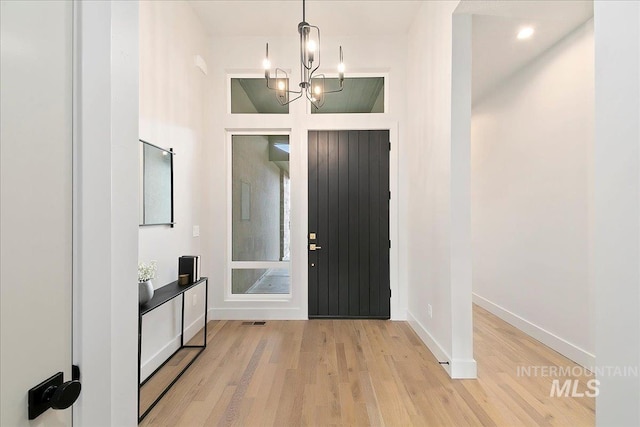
(280, 18)
(497, 53)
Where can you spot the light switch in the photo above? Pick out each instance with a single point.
(196, 230)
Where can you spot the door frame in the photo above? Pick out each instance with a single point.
(105, 210)
(329, 122)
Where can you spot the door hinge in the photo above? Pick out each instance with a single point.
(389, 146)
(389, 195)
(389, 244)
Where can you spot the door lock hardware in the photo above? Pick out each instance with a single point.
(53, 393)
(314, 247)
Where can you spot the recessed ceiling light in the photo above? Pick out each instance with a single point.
(525, 33)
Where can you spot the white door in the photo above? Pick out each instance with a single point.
(36, 203)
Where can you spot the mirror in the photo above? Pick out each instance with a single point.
(157, 185)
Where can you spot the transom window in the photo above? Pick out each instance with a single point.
(360, 95)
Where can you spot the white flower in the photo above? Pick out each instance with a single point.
(146, 271)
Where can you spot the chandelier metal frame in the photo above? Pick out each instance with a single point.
(311, 85)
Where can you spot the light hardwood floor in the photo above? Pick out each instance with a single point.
(364, 372)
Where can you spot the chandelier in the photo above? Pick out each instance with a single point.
(311, 85)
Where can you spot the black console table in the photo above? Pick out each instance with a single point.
(162, 296)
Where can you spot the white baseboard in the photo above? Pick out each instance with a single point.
(253, 313)
(195, 327)
(165, 352)
(440, 354)
(562, 346)
(400, 315)
(464, 369)
(457, 368)
(158, 358)
(218, 313)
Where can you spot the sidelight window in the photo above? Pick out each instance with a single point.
(260, 201)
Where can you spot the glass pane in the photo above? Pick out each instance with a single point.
(360, 95)
(157, 185)
(260, 281)
(251, 96)
(260, 198)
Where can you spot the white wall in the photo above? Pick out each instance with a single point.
(617, 208)
(173, 104)
(244, 55)
(429, 260)
(531, 197)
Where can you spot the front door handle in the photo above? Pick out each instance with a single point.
(54, 393)
(314, 247)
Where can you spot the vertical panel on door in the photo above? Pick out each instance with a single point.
(363, 201)
(384, 245)
(343, 223)
(323, 221)
(313, 220)
(374, 221)
(354, 231)
(332, 248)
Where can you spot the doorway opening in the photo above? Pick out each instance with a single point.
(528, 123)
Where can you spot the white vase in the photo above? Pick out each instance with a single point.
(145, 291)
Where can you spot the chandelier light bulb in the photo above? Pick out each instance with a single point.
(281, 85)
(317, 90)
(311, 46)
(266, 63)
(341, 67)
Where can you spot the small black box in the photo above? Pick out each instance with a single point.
(190, 264)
